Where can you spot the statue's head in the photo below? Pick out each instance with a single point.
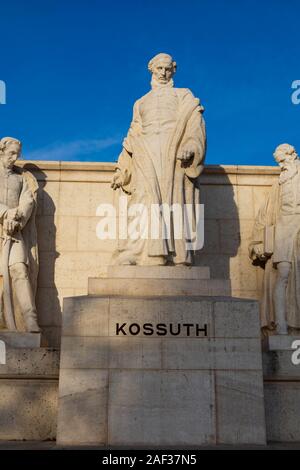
(10, 150)
(162, 67)
(285, 154)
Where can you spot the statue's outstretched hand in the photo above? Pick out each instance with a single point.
(117, 181)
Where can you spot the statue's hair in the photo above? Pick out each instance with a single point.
(7, 140)
(286, 148)
(157, 57)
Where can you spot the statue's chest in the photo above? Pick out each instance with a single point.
(160, 105)
(10, 189)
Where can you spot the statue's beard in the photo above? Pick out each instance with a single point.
(156, 84)
(288, 172)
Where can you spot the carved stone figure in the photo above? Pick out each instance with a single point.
(19, 258)
(276, 245)
(162, 157)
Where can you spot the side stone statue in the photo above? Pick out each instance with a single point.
(162, 157)
(276, 246)
(19, 255)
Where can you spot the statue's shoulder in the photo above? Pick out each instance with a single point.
(187, 97)
(183, 92)
(143, 98)
(28, 177)
(138, 102)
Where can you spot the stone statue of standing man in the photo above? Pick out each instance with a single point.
(162, 157)
(18, 246)
(276, 244)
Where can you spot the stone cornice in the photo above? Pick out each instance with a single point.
(102, 171)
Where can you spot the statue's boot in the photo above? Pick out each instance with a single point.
(31, 323)
(28, 308)
(23, 292)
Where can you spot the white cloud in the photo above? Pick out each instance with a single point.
(71, 150)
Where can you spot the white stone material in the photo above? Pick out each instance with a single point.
(275, 245)
(158, 272)
(280, 342)
(21, 340)
(69, 251)
(28, 394)
(282, 411)
(158, 287)
(162, 157)
(189, 386)
(28, 409)
(18, 241)
(281, 388)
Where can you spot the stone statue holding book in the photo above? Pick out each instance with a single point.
(276, 246)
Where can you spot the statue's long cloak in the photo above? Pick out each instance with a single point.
(267, 216)
(178, 183)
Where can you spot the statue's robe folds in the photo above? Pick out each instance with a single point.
(281, 209)
(18, 188)
(165, 121)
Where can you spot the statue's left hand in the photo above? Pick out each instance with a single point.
(13, 214)
(11, 226)
(117, 181)
(187, 154)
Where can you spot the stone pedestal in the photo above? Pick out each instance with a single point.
(279, 342)
(20, 340)
(282, 389)
(156, 281)
(159, 365)
(28, 394)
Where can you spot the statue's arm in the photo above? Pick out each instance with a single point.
(135, 128)
(26, 204)
(3, 210)
(264, 226)
(122, 176)
(256, 246)
(195, 141)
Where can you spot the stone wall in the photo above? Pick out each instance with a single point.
(70, 252)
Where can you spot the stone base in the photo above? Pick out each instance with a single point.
(156, 281)
(282, 389)
(28, 394)
(158, 272)
(279, 342)
(122, 386)
(20, 340)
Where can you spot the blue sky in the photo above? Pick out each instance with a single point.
(73, 70)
